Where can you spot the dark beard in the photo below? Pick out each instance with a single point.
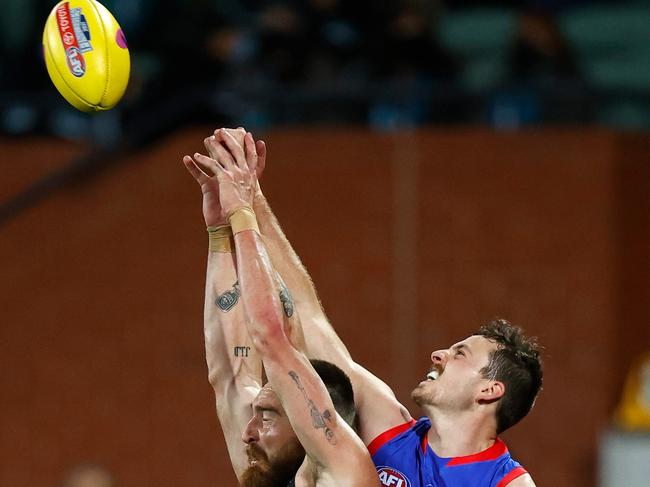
(272, 474)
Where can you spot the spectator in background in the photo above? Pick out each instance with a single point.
(407, 44)
(540, 49)
(411, 64)
(179, 59)
(336, 66)
(22, 65)
(334, 39)
(541, 80)
(281, 30)
(544, 78)
(263, 62)
(23, 75)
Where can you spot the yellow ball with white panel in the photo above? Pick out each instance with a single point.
(86, 54)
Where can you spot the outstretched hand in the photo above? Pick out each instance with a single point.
(209, 183)
(239, 134)
(204, 169)
(231, 166)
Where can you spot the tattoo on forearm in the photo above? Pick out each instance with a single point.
(287, 301)
(242, 351)
(229, 298)
(319, 420)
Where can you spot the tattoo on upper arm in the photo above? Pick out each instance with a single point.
(228, 299)
(319, 420)
(242, 351)
(287, 301)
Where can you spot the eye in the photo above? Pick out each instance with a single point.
(267, 416)
(460, 352)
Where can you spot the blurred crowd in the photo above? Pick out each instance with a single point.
(266, 62)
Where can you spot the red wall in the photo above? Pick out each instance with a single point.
(413, 240)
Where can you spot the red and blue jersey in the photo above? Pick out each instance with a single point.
(404, 458)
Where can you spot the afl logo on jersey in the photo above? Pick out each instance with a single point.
(392, 478)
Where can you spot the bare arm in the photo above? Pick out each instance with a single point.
(523, 481)
(376, 403)
(234, 367)
(216, 147)
(287, 263)
(327, 439)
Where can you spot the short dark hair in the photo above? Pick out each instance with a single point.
(516, 362)
(339, 387)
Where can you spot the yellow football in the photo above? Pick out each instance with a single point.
(86, 54)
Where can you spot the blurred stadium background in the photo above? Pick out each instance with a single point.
(435, 163)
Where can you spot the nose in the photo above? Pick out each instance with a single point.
(250, 433)
(439, 357)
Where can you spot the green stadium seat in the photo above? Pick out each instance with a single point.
(480, 39)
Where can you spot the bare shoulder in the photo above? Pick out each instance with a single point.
(522, 481)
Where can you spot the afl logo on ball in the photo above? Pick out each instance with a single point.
(392, 478)
(76, 61)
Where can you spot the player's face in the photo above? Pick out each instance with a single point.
(454, 381)
(274, 452)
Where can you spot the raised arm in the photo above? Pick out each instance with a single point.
(234, 367)
(217, 149)
(327, 439)
(378, 408)
(322, 342)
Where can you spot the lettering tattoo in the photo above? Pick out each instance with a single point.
(242, 351)
(287, 301)
(229, 298)
(319, 420)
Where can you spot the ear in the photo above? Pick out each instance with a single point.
(491, 391)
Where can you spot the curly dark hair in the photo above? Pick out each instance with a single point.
(516, 362)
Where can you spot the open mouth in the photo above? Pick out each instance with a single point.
(433, 375)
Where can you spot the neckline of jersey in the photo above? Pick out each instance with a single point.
(493, 452)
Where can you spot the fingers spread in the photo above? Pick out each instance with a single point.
(207, 163)
(220, 153)
(194, 170)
